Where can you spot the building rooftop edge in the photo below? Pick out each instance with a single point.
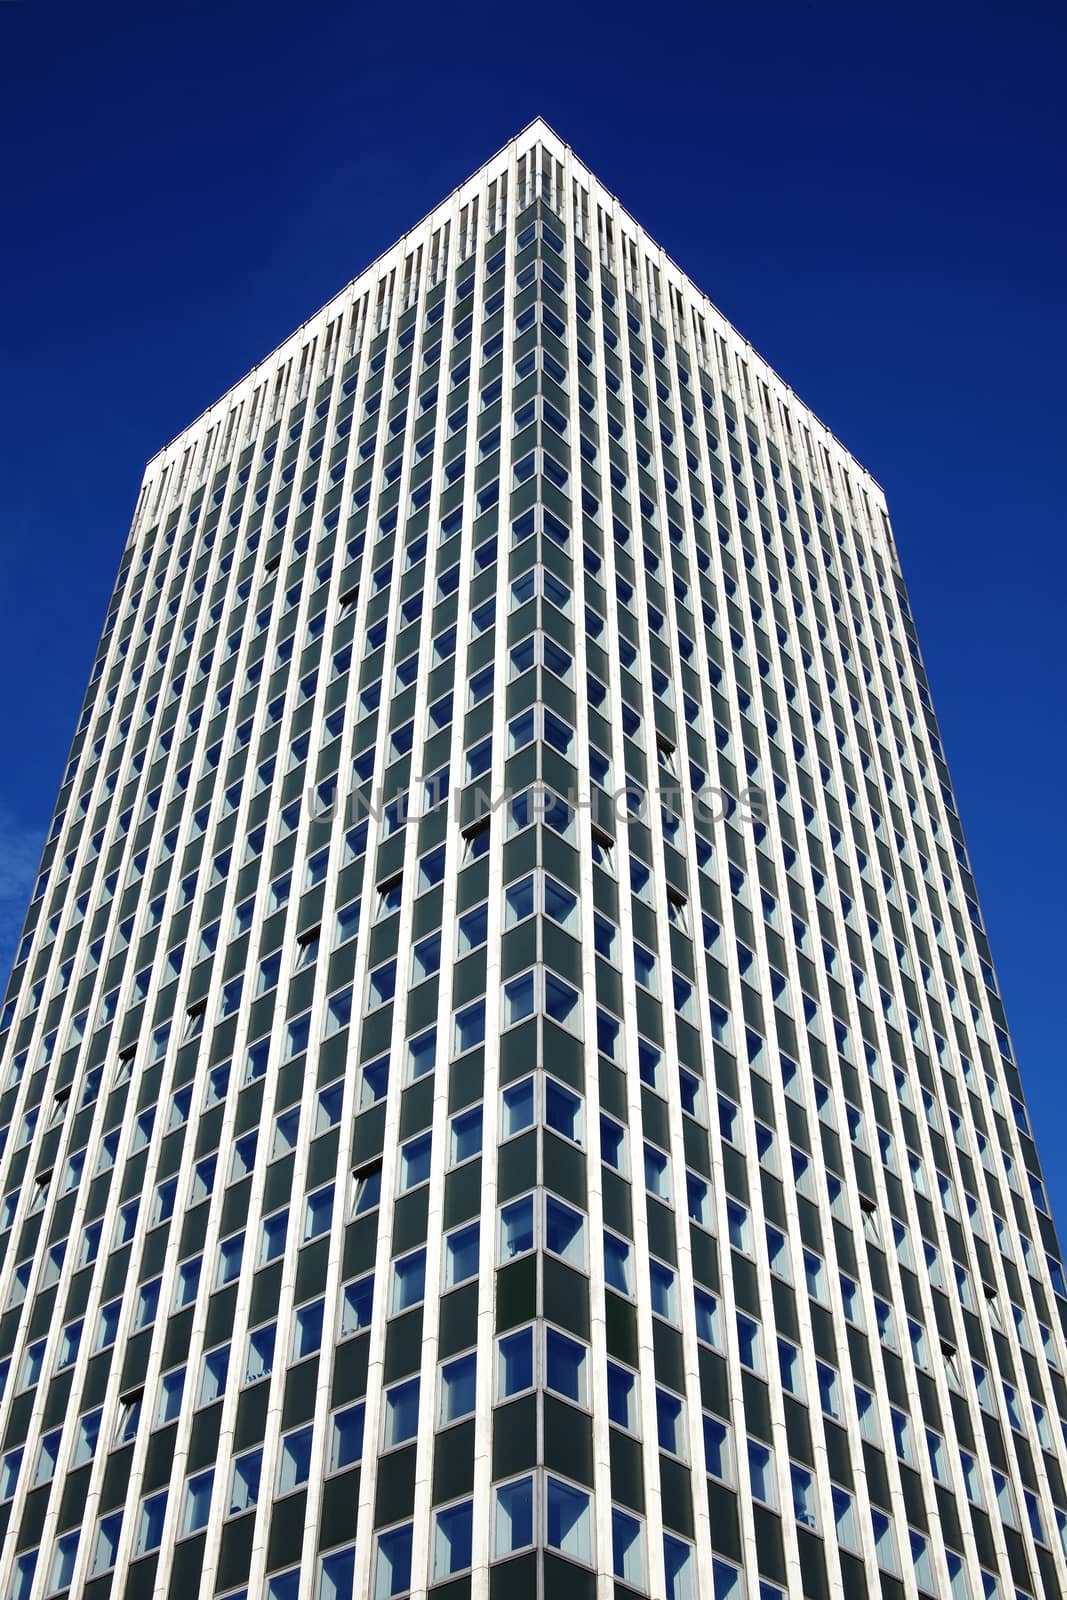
(537, 122)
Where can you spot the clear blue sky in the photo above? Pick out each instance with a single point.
(873, 194)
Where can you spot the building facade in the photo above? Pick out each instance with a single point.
(503, 1089)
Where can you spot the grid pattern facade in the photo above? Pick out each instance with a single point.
(503, 1088)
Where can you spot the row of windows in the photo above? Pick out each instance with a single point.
(539, 1510)
(536, 1511)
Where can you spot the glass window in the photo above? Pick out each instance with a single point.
(717, 1449)
(409, 1280)
(936, 1446)
(761, 1472)
(244, 1484)
(338, 1575)
(458, 1388)
(307, 1329)
(171, 1389)
(561, 905)
(514, 1369)
(294, 1466)
(367, 1195)
(473, 928)
(739, 1226)
(347, 921)
(513, 1517)
(346, 1436)
(374, 1081)
(613, 1143)
(260, 1359)
(517, 1108)
(845, 1525)
(518, 901)
(727, 1584)
(829, 1390)
(563, 1111)
(469, 1027)
(188, 1281)
(867, 1407)
(618, 1264)
(213, 1375)
(750, 1342)
(70, 1343)
(815, 1273)
(401, 1413)
(461, 1255)
(392, 1568)
(622, 1397)
(10, 1468)
(645, 968)
(147, 1303)
(422, 1055)
(627, 1548)
(679, 1569)
(286, 1132)
(231, 1252)
(564, 1231)
(47, 1456)
(274, 1230)
(886, 1549)
(707, 1317)
(657, 1172)
(150, 1523)
(415, 1162)
(568, 1522)
(452, 1537)
(519, 999)
(670, 1423)
(920, 1560)
(562, 1003)
(566, 1366)
(357, 1305)
(197, 1507)
(381, 985)
(107, 1543)
(557, 659)
(522, 729)
(663, 1283)
(790, 1369)
(129, 1418)
(318, 1213)
(426, 958)
(516, 1228)
(66, 1550)
(803, 1486)
(465, 1135)
(605, 938)
(692, 1093)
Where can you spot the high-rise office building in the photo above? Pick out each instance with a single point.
(504, 1091)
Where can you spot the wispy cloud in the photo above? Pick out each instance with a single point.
(20, 852)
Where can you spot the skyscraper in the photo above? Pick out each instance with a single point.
(503, 1088)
